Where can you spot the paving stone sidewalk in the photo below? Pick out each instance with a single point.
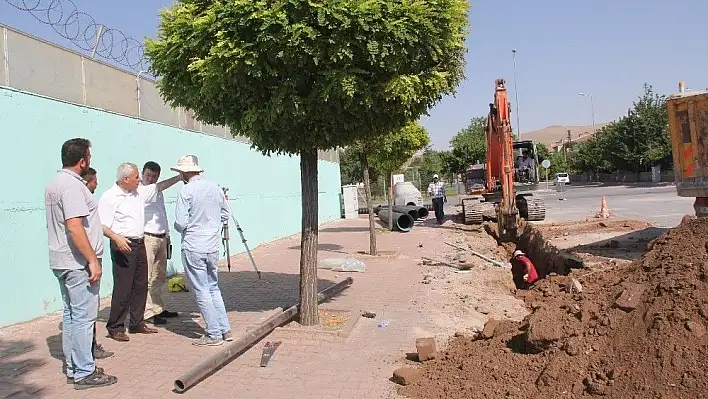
(307, 364)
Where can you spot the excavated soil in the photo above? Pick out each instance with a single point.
(636, 330)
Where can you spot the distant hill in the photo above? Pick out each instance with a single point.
(553, 134)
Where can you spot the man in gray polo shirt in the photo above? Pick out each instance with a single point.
(75, 237)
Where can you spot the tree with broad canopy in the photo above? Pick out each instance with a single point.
(297, 76)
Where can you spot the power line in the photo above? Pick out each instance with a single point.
(84, 32)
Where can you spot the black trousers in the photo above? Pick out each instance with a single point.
(130, 287)
(438, 208)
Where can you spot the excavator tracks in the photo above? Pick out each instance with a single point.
(474, 210)
(534, 209)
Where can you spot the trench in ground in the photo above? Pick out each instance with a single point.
(546, 257)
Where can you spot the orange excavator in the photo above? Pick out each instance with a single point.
(499, 191)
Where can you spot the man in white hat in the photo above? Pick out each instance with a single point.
(436, 190)
(197, 204)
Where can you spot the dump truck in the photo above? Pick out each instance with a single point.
(497, 191)
(688, 129)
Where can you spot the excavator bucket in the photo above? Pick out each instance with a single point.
(508, 225)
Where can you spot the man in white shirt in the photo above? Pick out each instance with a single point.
(436, 190)
(122, 212)
(157, 240)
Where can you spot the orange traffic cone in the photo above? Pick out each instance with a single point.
(604, 210)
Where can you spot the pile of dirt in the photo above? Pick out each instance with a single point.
(635, 330)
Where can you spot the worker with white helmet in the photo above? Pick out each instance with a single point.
(523, 271)
(436, 190)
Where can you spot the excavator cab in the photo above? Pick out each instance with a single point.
(526, 163)
(474, 179)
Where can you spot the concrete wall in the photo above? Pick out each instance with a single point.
(264, 191)
(34, 65)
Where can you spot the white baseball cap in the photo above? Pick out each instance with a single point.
(435, 177)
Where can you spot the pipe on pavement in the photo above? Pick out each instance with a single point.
(411, 210)
(422, 212)
(416, 212)
(232, 351)
(401, 221)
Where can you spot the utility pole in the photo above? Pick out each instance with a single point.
(516, 95)
(567, 145)
(592, 109)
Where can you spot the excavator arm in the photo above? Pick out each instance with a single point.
(509, 206)
(500, 162)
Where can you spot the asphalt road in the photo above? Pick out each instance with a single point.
(656, 204)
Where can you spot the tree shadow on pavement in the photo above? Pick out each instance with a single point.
(242, 292)
(350, 229)
(449, 222)
(15, 363)
(628, 246)
(379, 225)
(54, 345)
(324, 247)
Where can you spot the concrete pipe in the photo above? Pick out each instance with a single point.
(416, 212)
(422, 212)
(411, 210)
(401, 221)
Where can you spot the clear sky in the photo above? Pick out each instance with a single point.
(603, 47)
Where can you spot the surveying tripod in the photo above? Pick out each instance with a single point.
(225, 237)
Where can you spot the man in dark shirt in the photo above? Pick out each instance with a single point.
(91, 180)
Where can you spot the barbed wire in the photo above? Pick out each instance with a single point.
(84, 32)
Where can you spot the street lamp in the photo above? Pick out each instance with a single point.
(516, 94)
(592, 109)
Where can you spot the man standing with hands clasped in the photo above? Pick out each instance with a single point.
(75, 244)
(122, 211)
(200, 213)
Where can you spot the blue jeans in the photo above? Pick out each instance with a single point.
(202, 270)
(80, 310)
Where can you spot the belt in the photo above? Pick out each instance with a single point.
(163, 235)
(136, 240)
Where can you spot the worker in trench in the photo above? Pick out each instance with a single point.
(523, 271)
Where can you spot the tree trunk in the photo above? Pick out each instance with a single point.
(390, 201)
(369, 205)
(308, 241)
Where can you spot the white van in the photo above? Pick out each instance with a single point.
(562, 178)
(406, 194)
